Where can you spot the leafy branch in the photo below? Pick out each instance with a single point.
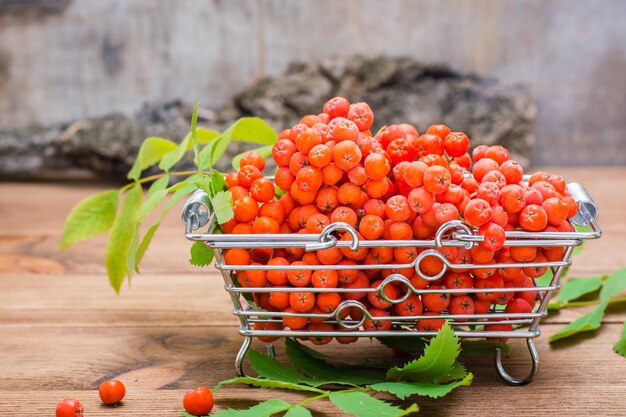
(603, 291)
(350, 387)
(123, 211)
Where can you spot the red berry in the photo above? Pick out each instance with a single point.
(112, 392)
(198, 402)
(69, 407)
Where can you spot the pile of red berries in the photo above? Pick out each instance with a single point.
(395, 185)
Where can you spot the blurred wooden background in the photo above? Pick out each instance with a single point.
(63, 60)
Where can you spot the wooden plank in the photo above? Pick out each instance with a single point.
(157, 364)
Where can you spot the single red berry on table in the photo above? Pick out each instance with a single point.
(112, 392)
(198, 402)
(69, 407)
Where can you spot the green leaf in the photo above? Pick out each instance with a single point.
(222, 204)
(178, 195)
(143, 246)
(267, 383)
(322, 371)
(458, 372)
(218, 182)
(438, 359)
(614, 284)
(362, 405)
(298, 411)
(157, 185)
(270, 368)
(151, 203)
(264, 151)
(194, 134)
(590, 321)
(121, 237)
(403, 390)
(171, 158)
(247, 129)
(483, 347)
(546, 278)
(342, 363)
(200, 254)
(151, 151)
(620, 346)
(91, 217)
(264, 409)
(206, 135)
(575, 288)
(409, 344)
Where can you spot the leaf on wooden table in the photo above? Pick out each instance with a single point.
(264, 409)
(267, 383)
(409, 344)
(298, 411)
(614, 284)
(152, 150)
(322, 371)
(574, 288)
(91, 217)
(270, 368)
(363, 405)
(200, 254)
(121, 237)
(588, 322)
(438, 359)
(620, 346)
(403, 390)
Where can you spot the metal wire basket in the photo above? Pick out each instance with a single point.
(455, 233)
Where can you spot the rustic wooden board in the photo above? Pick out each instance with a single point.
(64, 330)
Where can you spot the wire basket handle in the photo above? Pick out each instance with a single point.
(587, 209)
(196, 211)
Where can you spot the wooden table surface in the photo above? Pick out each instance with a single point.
(63, 329)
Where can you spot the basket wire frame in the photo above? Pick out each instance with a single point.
(455, 233)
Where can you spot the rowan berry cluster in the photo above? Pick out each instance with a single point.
(394, 185)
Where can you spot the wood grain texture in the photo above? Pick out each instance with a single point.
(64, 330)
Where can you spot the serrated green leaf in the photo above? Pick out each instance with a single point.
(438, 359)
(121, 237)
(131, 258)
(342, 363)
(588, 322)
(264, 151)
(194, 134)
(151, 151)
(409, 344)
(151, 203)
(178, 195)
(458, 372)
(484, 347)
(268, 383)
(614, 284)
(270, 368)
(403, 390)
(298, 411)
(91, 217)
(575, 288)
(362, 405)
(143, 246)
(322, 371)
(200, 254)
(171, 158)
(264, 409)
(222, 204)
(218, 182)
(157, 185)
(246, 129)
(620, 346)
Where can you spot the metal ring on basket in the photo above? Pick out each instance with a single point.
(351, 304)
(453, 224)
(426, 254)
(395, 278)
(328, 241)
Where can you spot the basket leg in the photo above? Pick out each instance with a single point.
(270, 350)
(241, 355)
(534, 356)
